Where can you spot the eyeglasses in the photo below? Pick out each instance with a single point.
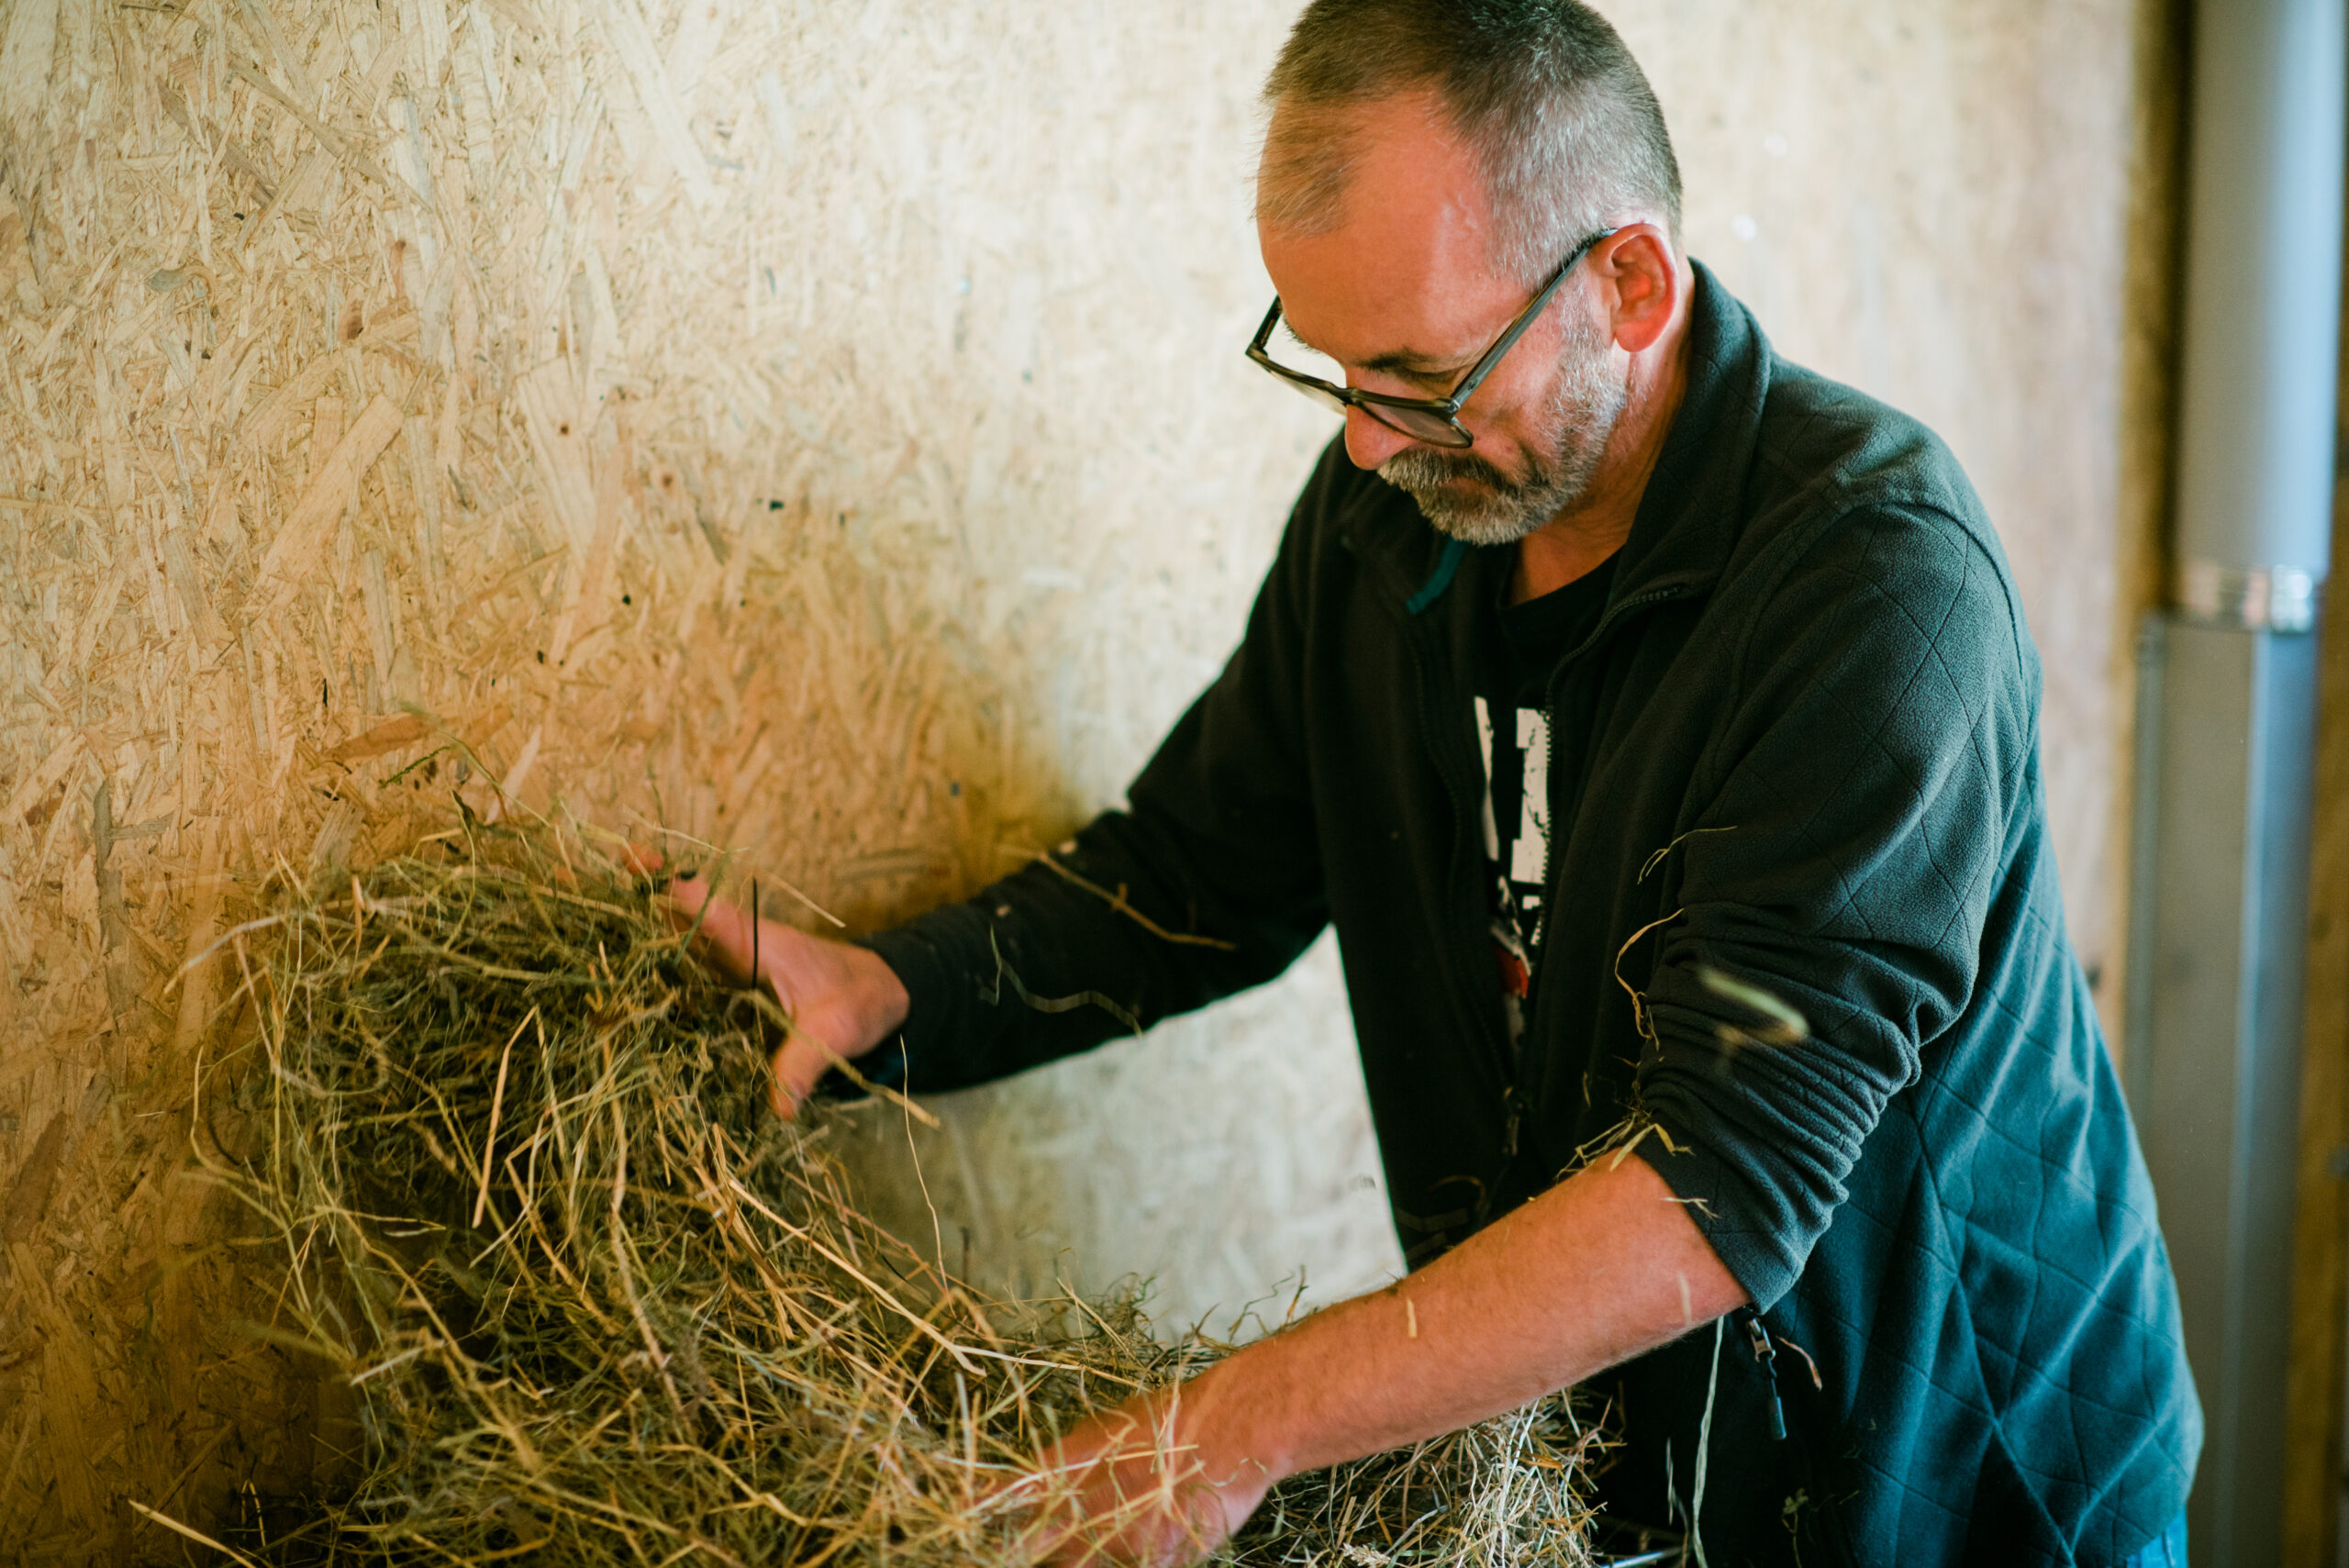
(1435, 420)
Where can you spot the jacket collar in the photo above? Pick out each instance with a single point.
(1688, 520)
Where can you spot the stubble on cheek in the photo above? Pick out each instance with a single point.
(1469, 496)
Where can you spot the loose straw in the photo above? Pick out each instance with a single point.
(598, 1306)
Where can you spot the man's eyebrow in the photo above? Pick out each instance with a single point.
(1402, 361)
(1397, 361)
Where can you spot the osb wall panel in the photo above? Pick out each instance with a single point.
(812, 429)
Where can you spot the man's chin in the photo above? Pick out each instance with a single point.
(1475, 507)
(1484, 525)
(1467, 504)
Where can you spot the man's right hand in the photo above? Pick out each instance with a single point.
(842, 1000)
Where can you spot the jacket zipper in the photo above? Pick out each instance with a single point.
(1548, 833)
(1433, 728)
(1550, 785)
(1767, 1353)
(1512, 1099)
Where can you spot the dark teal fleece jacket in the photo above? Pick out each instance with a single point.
(1812, 767)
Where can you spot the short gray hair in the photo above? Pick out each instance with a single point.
(1543, 92)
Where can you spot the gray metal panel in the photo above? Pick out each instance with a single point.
(2183, 1052)
(2283, 757)
(2213, 1068)
(2225, 757)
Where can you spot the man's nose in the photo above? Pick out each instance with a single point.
(1369, 442)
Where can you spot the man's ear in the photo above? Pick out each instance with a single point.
(1642, 278)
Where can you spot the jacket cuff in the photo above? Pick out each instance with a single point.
(1719, 1196)
(921, 954)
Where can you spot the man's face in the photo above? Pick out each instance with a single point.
(1404, 293)
(1473, 498)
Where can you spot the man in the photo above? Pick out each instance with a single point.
(1657, 724)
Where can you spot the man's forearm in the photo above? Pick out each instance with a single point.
(1605, 1265)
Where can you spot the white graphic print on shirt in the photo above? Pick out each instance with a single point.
(1516, 791)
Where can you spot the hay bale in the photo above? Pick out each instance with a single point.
(597, 1305)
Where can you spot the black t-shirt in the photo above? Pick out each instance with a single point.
(1534, 743)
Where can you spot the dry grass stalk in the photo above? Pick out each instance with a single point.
(598, 1306)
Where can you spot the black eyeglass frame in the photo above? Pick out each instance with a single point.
(1451, 432)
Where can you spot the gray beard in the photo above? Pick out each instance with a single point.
(1581, 415)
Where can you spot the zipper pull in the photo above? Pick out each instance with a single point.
(1508, 1138)
(1767, 1353)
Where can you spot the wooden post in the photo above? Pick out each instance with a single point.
(2313, 1410)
